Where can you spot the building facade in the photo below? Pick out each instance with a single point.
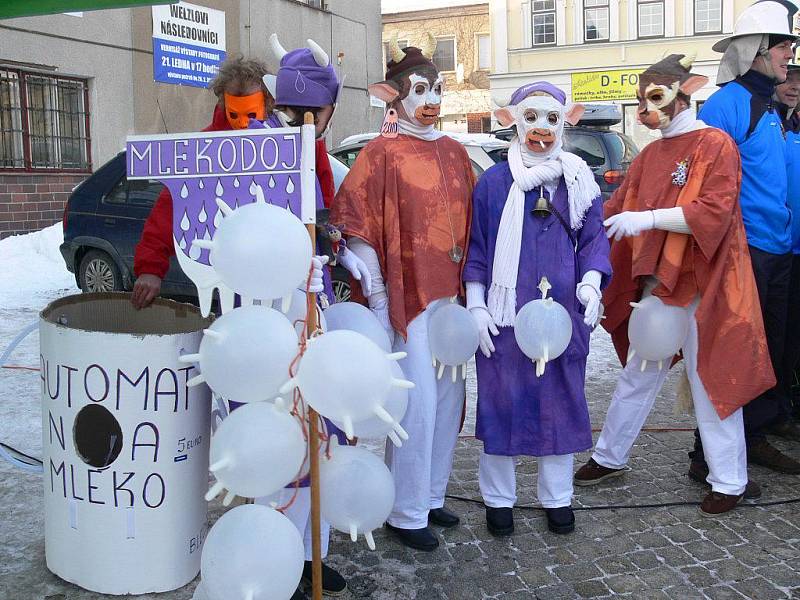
(74, 86)
(463, 54)
(595, 49)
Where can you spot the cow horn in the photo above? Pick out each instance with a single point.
(396, 53)
(319, 54)
(429, 46)
(686, 61)
(278, 50)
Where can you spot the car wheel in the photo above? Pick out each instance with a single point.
(341, 290)
(99, 273)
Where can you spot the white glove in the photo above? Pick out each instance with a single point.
(629, 223)
(588, 293)
(315, 283)
(357, 268)
(382, 314)
(486, 329)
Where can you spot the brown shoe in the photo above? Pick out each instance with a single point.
(788, 430)
(765, 454)
(716, 504)
(698, 471)
(592, 473)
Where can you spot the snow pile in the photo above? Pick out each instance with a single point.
(32, 270)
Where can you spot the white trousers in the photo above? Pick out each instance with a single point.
(421, 467)
(636, 391)
(299, 513)
(498, 480)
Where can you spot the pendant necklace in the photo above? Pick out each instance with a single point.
(456, 253)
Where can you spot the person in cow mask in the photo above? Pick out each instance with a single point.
(678, 234)
(536, 227)
(405, 207)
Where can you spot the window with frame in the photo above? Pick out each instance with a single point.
(445, 56)
(484, 52)
(543, 22)
(708, 16)
(44, 122)
(651, 18)
(595, 20)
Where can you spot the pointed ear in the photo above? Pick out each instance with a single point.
(574, 114)
(694, 83)
(385, 90)
(272, 84)
(505, 116)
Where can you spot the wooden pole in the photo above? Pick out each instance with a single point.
(313, 438)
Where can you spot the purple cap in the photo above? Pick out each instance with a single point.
(538, 86)
(302, 82)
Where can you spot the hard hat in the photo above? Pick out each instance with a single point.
(765, 17)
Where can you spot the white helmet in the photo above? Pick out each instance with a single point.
(765, 17)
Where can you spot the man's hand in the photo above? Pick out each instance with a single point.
(629, 223)
(358, 269)
(486, 329)
(589, 296)
(315, 284)
(145, 290)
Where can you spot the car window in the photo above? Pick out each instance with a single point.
(587, 146)
(476, 169)
(621, 147)
(348, 157)
(143, 192)
(118, 194)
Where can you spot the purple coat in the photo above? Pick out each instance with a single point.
(519, 413)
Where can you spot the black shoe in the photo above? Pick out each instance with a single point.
(560, 520)
(500, 521)
(698, 471)
(442, 517)
(765, 454)
(787, 429)
(419, 539)
(333, 584)
(298, 595)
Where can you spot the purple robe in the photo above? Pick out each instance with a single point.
(519, 413)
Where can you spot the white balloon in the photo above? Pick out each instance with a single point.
(453, 335)
(257, 450)
(396, 405)
(656, 330)
(261, 251)
(252, 553)
(543, 329)
(356, 492)
(355, 317)
(346, 377)
(296, 315)
(246, 353)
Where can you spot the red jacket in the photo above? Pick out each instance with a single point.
(156, 245)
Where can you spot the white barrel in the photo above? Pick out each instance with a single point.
(125, 443)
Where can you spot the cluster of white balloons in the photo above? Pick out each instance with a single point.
(349, 375)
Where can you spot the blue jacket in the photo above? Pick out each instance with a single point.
(793, 165)
(744, 110)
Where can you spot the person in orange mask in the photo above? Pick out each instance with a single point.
(241, 96)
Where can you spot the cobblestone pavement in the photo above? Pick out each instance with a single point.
(656, 553)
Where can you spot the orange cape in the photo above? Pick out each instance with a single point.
(714, 262)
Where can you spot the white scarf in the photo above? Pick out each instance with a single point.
(529, 173)
(684, 122)
(423, 132)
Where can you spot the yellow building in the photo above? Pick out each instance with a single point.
(595, 49)
(463, 54)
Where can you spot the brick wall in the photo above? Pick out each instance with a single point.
(31, 201)
(474, 121)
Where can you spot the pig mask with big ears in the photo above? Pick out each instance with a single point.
(539, 111)
(413, 84)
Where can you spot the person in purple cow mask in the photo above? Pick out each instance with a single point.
(537, 216)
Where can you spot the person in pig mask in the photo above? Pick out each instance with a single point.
(678, 235)
(536, 227)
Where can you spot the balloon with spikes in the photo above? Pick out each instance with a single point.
(454, 338)
(246, 353)
(356, 492)
(252, 553)
(656, 331)
(259, 250)
(346, 377)
(258, 449)
(543, 329)
(356, 317)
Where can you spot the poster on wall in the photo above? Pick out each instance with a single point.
(598, 86)
(188, 43)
